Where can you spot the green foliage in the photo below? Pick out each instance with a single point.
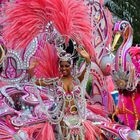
(81, 59)
(127, 10)
(138, 127)
(89, 86)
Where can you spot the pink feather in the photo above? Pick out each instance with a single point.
(6, 133)
(47, 60)
(91, 131)
(41, 131)
(110, 26)
(46, 133)
(26, 19)
(73, 21)
(97, 109)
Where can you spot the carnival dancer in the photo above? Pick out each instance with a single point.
(57, 25)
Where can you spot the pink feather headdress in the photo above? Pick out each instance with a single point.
(26, 19)
(135, 56)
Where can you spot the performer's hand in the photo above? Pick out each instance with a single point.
(84, 54)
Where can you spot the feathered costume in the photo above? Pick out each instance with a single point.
(126, 76)
(25, 20)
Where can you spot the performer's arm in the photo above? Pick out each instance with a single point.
(85, 55)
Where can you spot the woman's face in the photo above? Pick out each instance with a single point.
(65, 68)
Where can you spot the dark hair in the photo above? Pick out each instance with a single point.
(70, 49)
(1, 69)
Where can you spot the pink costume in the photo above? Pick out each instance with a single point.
(131, 99)
(126, 76)
(52, 25)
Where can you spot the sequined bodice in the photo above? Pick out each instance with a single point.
(60, 90)
(68, 105)
(69, 98)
